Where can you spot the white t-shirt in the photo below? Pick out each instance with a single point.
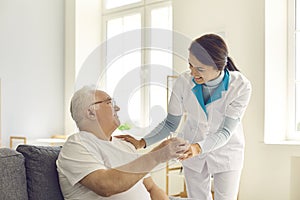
(84, 153)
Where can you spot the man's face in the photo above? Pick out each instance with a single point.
(106, 112)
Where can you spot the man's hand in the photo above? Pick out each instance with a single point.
(138, 144)
(156, 193)
(193, 150)
(168, 149)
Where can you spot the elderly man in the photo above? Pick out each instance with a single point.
(93, 165)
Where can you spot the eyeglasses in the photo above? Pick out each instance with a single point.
(109, 100)
(199, 69)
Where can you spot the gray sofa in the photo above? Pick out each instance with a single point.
(29, 173)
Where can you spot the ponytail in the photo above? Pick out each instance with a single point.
(230, 65)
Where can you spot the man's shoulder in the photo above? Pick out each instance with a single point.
(72, 137)
(123, 145)
(81, 138)
(78, 142)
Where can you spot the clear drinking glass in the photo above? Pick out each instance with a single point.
(178, 135)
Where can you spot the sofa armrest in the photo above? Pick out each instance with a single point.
(12, 175)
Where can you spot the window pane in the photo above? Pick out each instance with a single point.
(298, 106)
(134, 105)
(123, 24)
(114, 27)
(145, 97)
(297, 14)
(132, 22)
(161, 62)
(162, 18)
(118, 3)
(117, 78)
(121, 66)
(297, 53)
(297, 67)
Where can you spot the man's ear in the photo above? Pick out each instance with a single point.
(91, 114)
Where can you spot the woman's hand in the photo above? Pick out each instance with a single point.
(193, 150)
(172, 148)
(138, 144)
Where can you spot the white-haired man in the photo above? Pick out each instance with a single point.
(93, 165)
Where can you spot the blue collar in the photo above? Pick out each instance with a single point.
(198, 91)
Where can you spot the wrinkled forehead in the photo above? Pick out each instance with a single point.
(101, 95)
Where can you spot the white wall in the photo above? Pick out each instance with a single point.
(32, 67)
(32, 78)
(267, 172)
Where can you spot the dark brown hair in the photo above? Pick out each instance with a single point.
(210, 49)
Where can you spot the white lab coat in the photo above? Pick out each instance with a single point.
(198, 125)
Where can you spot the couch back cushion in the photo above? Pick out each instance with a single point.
(42, 177)
(12, 175)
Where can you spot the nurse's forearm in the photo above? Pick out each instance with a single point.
(163, 130)
(214, 141)
(221, 137)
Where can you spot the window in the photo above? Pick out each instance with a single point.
(109, 4)
(294, 69)
(282, 71)
(297, 66)
(136, 76)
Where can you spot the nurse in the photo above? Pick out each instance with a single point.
(214, 95)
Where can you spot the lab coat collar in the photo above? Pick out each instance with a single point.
(222, 87)
(198, 91)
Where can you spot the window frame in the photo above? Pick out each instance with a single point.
(117, 13)
(279, 109)
(144, 8)
(292, 133)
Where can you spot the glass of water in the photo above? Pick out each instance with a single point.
(178, 135)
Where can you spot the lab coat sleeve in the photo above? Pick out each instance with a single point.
(233, 115)
(175, 106)
(163, 130)
(237, 107)
(221, 137)
(175, 111)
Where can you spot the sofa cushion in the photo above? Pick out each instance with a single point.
(13, 175)
(42, 177)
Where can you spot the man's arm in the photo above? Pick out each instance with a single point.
(156, 193)
(107, 182)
